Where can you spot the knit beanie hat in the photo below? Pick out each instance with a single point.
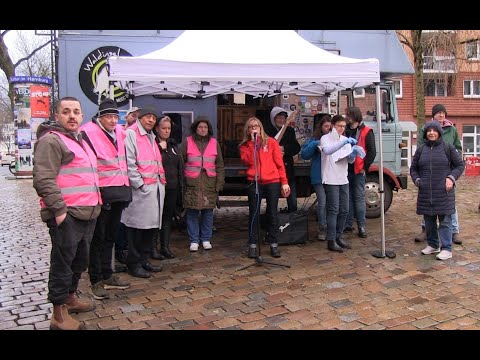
(437, 108)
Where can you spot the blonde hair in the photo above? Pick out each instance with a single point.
(246, 135)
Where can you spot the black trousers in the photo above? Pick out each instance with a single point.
(139, 246)
(271, 192)
(69, 257)
(100, 266)
(168, 212)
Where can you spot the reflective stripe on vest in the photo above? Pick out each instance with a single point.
(78, 180)
(358, 165)
(111, 163)
(149, 159)
(196, 161)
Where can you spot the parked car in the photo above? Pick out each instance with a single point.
(8, 159)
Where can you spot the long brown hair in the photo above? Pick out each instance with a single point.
(246, 135)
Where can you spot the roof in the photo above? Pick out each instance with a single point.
(256, 62)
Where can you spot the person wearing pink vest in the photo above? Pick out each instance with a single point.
(107, 140)
(143, 216)
(66, 180)
(204, 177)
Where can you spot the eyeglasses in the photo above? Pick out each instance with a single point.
(254, 126)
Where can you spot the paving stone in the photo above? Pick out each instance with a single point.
(321, 290)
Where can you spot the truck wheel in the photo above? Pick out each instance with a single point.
(372, 196)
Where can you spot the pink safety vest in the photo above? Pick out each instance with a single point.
(196, 161)
(149, 158)
(111, 163)
(78, 180)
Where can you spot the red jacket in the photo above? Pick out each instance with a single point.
(270, 165)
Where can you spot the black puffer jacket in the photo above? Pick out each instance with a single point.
(429, 170)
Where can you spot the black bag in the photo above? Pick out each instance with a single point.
(293, 228)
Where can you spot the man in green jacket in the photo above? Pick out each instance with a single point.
(450, 136)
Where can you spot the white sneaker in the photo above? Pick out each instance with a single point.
(430, 250)
(444, 255)
(206, 245)
(193, 247)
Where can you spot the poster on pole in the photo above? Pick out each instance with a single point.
(31, 107)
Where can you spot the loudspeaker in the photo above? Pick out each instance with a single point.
(292, 228)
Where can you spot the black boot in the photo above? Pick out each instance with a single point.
(165, 241)
(154, 253)
(332, 246)
(343, 244)
(275, 251)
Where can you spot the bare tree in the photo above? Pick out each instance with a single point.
(441, 50)
(33, 60)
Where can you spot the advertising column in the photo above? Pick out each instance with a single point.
(31, 108)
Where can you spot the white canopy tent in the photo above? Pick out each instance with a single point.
(205, 63)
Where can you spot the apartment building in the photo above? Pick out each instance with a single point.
(452, 78)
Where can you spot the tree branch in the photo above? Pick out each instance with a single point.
(31, 55)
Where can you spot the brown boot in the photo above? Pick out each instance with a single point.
(61, 320)
(74, 305)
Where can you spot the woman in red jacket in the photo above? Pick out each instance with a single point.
(271, 177)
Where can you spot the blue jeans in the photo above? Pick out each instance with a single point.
(358, 207)
(455, 225)
(271, 192)
(292, 198)
(337, 210)
(443, 231)
(321, 205)
(199, 225)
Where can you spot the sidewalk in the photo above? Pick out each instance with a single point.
(204, 290)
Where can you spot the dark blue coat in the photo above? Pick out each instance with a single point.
(429, 170)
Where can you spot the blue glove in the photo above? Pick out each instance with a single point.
(351, 141)
(352, 155)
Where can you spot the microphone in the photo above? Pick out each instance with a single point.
(255, 136)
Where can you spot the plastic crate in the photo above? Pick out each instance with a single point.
(472, 166)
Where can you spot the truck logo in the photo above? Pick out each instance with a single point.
(94, 72)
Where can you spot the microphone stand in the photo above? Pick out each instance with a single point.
(258, 259)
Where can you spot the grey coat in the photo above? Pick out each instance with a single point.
(145, 210)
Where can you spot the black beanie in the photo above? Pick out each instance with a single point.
(108, 106)
(148, 110)
(437, 108)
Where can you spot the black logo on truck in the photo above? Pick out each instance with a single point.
(93, 75)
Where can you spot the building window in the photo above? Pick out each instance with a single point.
(397, 88)
(471, 88)
(472, 50)
(437, 87)
(471, 140)
(359, 93)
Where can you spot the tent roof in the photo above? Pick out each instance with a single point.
(264, 62)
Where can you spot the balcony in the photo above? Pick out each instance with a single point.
(438, 64)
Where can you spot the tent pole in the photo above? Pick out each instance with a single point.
(382, 253)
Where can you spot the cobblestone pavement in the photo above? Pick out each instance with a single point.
(205, 290)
